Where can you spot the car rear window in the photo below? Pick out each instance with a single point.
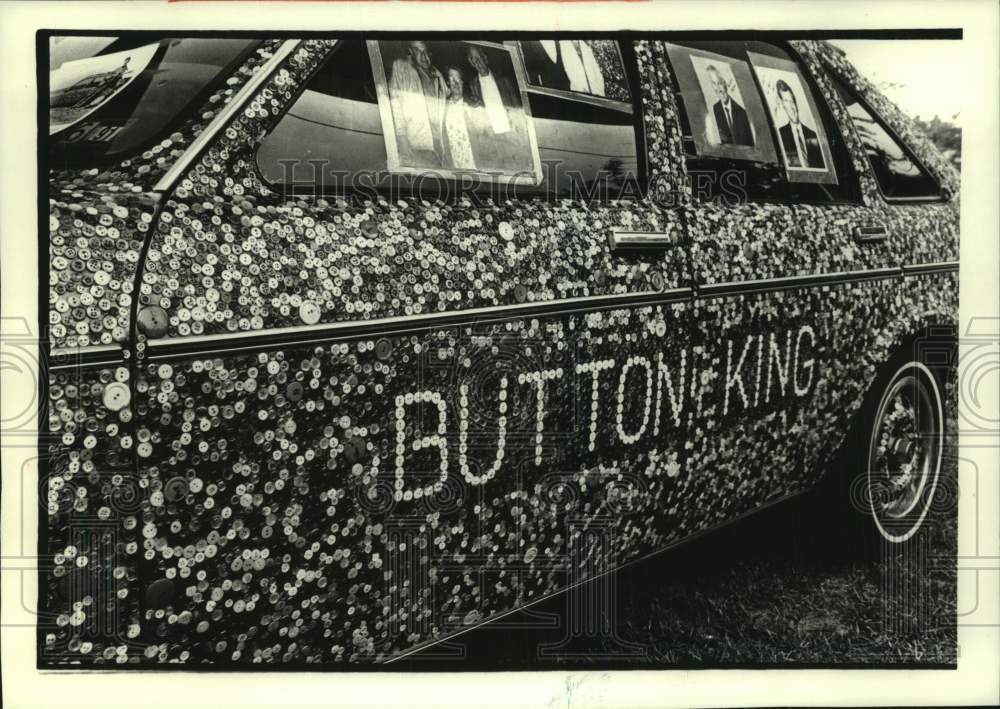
(897, 171)
(113, 97)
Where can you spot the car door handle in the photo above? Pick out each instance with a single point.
(625, 242)
(870, 234)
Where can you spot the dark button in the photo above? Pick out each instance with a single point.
(354, 449)
(294, 391)
(175, 489)
(657, 280)
(159, 593)
(520, 293)
(383, 349)
(153, 321)
(600, 278)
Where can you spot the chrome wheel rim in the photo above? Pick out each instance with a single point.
(904, 452)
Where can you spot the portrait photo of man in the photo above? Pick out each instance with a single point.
(726, 117)
(801, 139)
(730, 116)
(726, 121)
(417, 92)
(799, 142)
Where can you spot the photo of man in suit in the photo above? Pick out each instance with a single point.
(730, 116)
(566, 64)
(496, 122)
(798, 141)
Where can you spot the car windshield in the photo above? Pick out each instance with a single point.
(112, 97)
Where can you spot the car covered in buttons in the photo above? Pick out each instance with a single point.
(355, 344)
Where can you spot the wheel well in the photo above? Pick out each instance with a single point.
(935, 345)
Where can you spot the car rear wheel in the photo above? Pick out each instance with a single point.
(902, 460)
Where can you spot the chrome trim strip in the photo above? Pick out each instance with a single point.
(917, 269)
(236, 103)
(765, 285)
(170, 347)
(75, 357)
(303, 334)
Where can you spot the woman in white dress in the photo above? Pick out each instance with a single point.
(458, 148)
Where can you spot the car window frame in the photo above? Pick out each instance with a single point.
(829, 119)
(643, 178)
(838, 78)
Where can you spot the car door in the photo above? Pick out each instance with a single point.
(786, 270)
(377, 416)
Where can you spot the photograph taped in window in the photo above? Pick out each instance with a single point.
(453, 108)
(582, 69)
(116, 97)
(746, 177)
(722, 105)
(78, 88)
(802, 140)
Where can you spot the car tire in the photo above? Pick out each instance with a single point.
(904, 451)
(867, 505)
(894, 457)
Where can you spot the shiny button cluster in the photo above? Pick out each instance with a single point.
(94, 246)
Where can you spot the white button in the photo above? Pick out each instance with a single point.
(117, 396)
(309, 312)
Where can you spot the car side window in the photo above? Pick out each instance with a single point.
(755, 128)
(897, 170)
(374, 119)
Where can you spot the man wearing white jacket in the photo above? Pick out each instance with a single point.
(417, 93)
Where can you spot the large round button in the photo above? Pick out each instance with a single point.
(116, 396)
(383, 349)
(309, 312)
(159, 593)
(153, 321)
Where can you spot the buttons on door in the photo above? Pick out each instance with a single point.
(309, 312)
(116, 396)
(159, 593)
(153, 321)
(383, 349)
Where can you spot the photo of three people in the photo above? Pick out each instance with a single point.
(454, 106)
